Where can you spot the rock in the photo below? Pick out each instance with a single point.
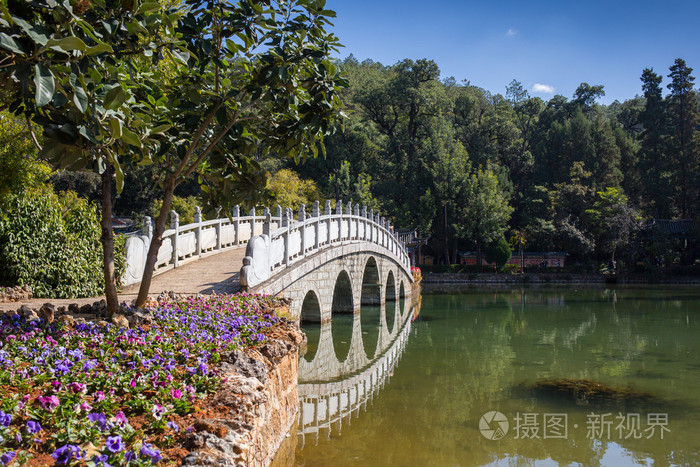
(68, 320)
(588, 392)
(211, 426)
(140, 317)
(245, 365)
(100, 308)
(61, 310)
(24, 311)
(47, 313)
(191, 458)
(85, 310)
(120, 320)
(275, 349)
(73, 308)
(79, 320)
(102, 323)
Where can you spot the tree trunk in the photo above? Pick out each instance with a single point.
(447, 245)
(156, 242)
(107, 240)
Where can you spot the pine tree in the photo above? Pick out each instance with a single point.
(683, 143)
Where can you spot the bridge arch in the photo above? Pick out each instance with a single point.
(342, 315)
(311, 322)
(390, 292)
(371, 283)
(343, 300)
(310, 308)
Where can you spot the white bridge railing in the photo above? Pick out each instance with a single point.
(183, 243)
(276, 250)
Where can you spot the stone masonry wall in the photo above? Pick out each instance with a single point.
(255, 408)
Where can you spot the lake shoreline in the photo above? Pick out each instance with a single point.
(436, 280)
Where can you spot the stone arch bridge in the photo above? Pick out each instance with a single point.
(347, 257)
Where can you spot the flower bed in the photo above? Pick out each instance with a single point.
(107, 395)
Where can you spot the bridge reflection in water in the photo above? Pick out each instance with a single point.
(331, 391)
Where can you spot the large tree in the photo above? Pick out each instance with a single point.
(257, 81)
(653, 162)
(203, 88)
(683, 144)
(72, 70)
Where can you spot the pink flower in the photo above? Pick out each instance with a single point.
(120, 418)
(85, 407)
(48, 402)
(77, 387)
(176, 393)
(98, 396)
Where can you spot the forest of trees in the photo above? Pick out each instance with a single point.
(468, 167)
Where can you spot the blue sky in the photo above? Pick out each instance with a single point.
(549, 46)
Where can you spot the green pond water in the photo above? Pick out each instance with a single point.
(469, 354)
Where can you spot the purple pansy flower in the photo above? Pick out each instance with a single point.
(5, 419)
(64, 454)
(7, 457)
(99, 419)
(115, 444)
(149, 451)
(33, 427)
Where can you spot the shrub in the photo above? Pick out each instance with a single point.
(52, 243)
(183, 206)
(498, 252)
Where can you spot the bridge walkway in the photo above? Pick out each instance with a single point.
(212, 274)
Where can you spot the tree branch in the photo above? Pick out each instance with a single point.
(218, 138)
(32, 135)
(196, 139)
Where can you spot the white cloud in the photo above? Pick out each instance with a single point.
(543, 88)
(511, 32)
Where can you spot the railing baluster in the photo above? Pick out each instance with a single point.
(236, 224)
(198, 231)
(175, 224)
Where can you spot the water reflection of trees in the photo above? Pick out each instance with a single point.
(468, 353)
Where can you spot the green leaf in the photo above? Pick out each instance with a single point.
(67, 44)
(130, 137)
(45, 86)
(99, 49)
(116, 127)
(8, 43)
(115, 97)
(160, 129)
(80, 99)
(119, 176)
(35, 33)
(87, 134)
(101, 165)
(148, 6)
(51, 151)
(181, 55)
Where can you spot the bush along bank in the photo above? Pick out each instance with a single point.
(107, 394)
